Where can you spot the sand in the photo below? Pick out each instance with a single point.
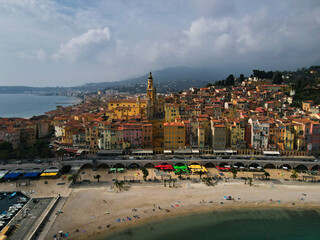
(90, 209)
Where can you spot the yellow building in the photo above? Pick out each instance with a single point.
(236, 134)
(157, 135)
(201, 138)
(174, 135)
(172, 112)
(299, 136)
(125, 108)
(289, 137)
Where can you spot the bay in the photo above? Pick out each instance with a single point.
(29, 105)
(236, 224)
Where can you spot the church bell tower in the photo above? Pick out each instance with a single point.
(150, 88)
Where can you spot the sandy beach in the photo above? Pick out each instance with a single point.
(89, 210)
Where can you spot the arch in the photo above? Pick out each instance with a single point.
(19, 169)
(118, 165)
(53, 168)
(223, 164)
(149, 165)
(270, 166)
(134, 166)
(179, 164)
(209, 165)
(66, 169)
(239, 164)
(255, 165)
(164, 163)
(103, 165)
(286, 165)
(194, 163)
(315, 168)
(86, 165)
(301, 167)
(36, 168)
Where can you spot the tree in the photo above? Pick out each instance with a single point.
(294, 175)
(267, 175)
(145, 173)
(97, 177)
(119, 185)
(209, 85)
(234, 172)
(230, 80)
(250, 181)
(74, 177)
(277, 79)
(241, 78)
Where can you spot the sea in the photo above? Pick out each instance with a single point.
(29, 105)
(238, 224)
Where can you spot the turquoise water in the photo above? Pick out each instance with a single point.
(28, 105)
(230, 224)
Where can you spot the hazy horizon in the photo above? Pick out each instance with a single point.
(48, 43)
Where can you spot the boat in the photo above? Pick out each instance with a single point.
(18, 205)
(13, 195)
(22, 200)
(3, 196)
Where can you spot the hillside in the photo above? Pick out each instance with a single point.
(174, 78)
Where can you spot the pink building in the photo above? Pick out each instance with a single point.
(132, 132)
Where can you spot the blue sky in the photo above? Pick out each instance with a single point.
(69, 43)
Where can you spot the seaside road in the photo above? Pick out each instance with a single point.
(27, 222)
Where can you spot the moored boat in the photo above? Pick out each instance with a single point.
(3, 196)
(13, 195)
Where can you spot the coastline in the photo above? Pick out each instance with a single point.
(187, 213)
(147, 198)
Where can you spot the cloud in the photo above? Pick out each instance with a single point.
(71, 40)
(39, 54)
(74, 46)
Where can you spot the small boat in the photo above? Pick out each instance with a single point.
(22, 200)
(13, 195)
(18, 205)
(3, 196)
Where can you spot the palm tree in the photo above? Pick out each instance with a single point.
(267, 175)
(119, 185)
(145, 173)
(74, 177)
(294, 175)
(97, 177)
(234, 172)
(250, 181)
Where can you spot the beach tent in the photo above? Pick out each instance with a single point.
(197, 168)
(50, 173)
(179, 169)
(12, 175)
(164, 167)
(31, 174)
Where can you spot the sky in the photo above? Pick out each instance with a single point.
(70, 43)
